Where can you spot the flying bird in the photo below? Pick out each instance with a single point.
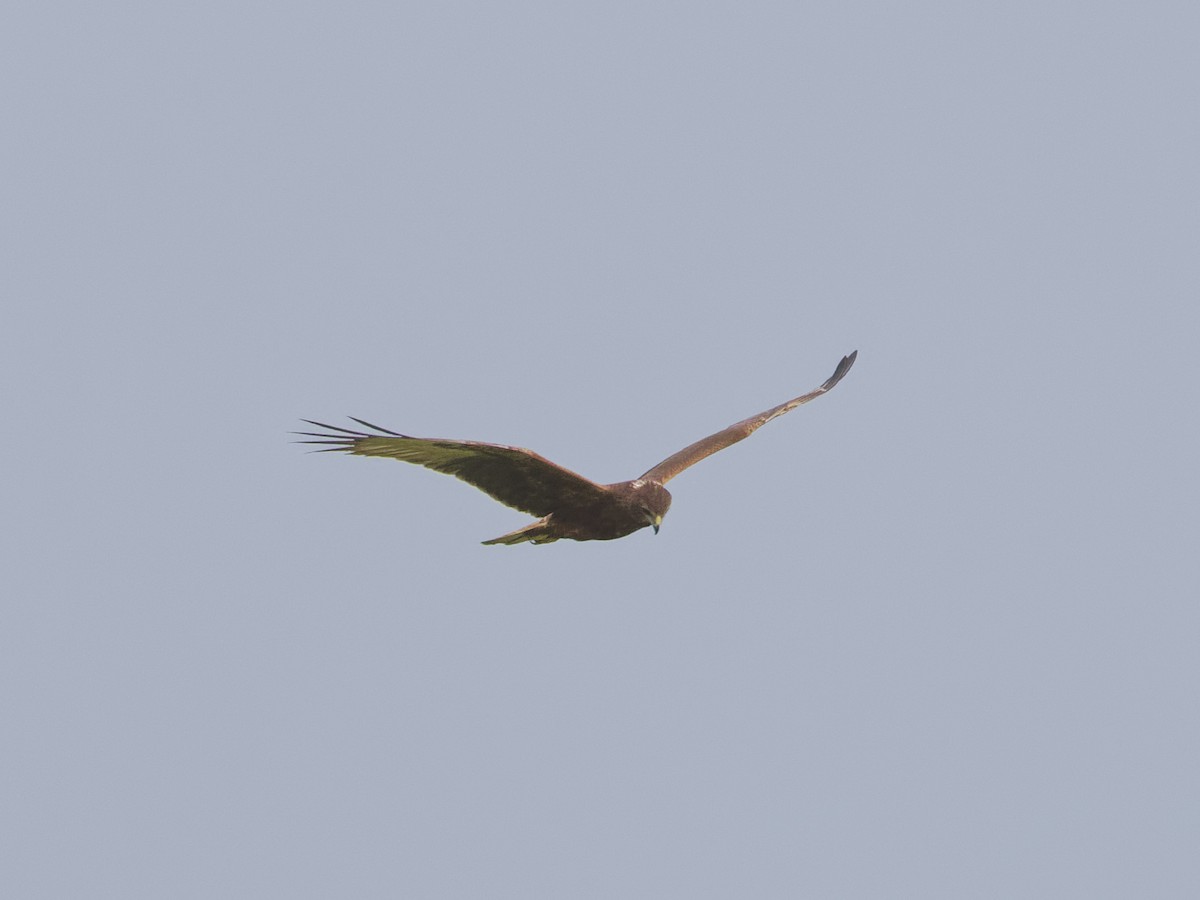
(570, 506)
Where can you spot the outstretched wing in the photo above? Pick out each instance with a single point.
(516, 477)
(693, 453)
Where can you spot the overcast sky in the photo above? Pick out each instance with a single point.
(933, 635)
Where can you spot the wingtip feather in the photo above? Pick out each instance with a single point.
(333, 428)
(367, 424)
(840, 372)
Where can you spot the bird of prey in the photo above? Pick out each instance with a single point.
(570, 506)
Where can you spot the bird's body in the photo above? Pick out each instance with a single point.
(624, 508)
(570, 506)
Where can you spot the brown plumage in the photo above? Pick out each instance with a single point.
(570, 506)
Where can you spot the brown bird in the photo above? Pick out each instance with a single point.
(570, 505)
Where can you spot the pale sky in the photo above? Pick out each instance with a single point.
(933, 635)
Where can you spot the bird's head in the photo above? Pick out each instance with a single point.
(652, 499)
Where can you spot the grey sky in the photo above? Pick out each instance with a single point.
(933, 635)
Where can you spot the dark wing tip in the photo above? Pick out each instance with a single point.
(340, 439)
(355, 434)
(840, 372)
(330, 428)
(367, 424)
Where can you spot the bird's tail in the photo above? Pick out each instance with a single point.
(538, 532)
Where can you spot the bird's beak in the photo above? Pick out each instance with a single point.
(657, 522)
